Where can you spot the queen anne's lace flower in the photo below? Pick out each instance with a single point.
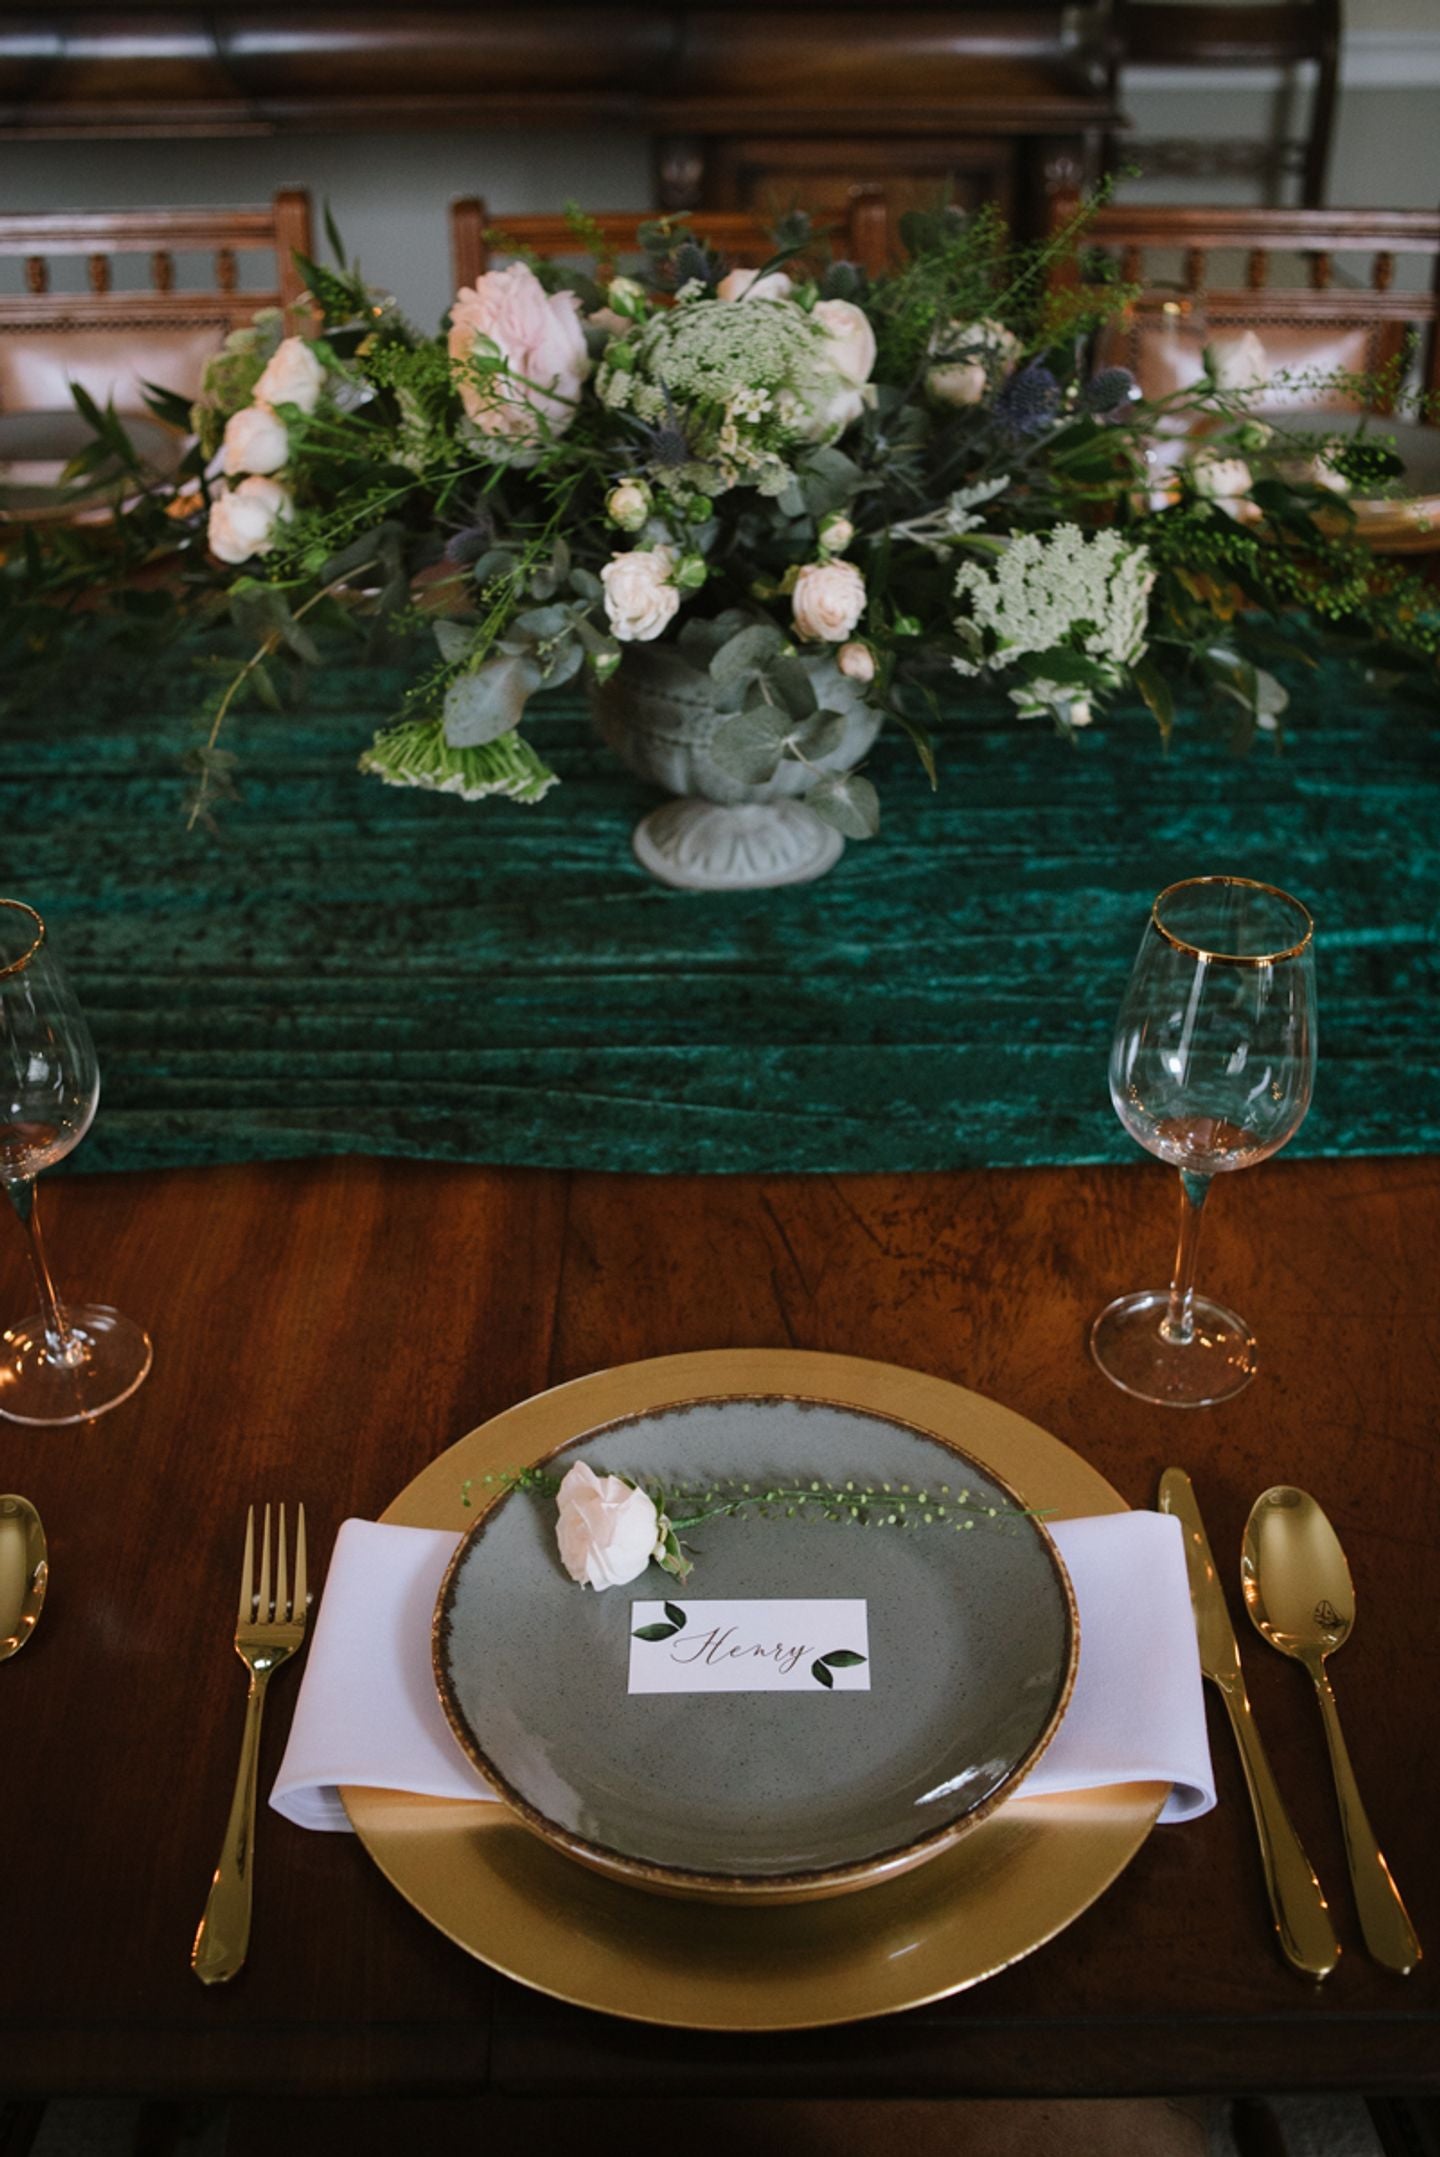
(1065, 590)
(750, 379)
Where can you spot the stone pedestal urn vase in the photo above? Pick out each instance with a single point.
(660, 714)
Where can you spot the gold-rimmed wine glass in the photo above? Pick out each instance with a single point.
(70, 1361)
(1211, 1068)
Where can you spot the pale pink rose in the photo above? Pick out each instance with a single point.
(984, 350)
(293, 376)
(750, 285)
(828, 600)
(540, 337)
(256, 441)
(640, 599)
(607, 1530)
(849, 340)
(243, 521)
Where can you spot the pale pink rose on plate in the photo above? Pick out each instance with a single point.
(607, 1530)
(256, 440)
(640, 599)
(244, 520)
(293, 376)
(828, 601)
(750, 285)
(540, 337)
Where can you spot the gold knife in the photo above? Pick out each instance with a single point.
(1302, 1916)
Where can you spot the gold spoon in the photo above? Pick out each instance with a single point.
(24, 1571)
(1300, 1596)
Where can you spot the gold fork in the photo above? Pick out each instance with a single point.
(267, 1633)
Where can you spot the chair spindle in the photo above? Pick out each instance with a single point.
(162, 270)
(37, 274)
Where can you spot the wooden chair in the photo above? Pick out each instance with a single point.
(859, 231)
(1313, 322)
(112, 340)
(1244, 33)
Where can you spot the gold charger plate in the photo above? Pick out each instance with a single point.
(1019, 1878)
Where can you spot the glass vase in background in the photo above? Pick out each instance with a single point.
(70, 1361)
(1211, 1069)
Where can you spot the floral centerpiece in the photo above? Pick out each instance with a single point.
(764, 513)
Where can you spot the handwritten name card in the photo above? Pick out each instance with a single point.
(750, 1647)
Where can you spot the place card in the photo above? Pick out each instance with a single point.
(791, 1646)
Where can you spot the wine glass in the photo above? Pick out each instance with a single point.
(1211, 1068)
(70, 1361)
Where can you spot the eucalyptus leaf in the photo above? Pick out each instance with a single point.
(452, 638)
(820, 736)
(543, 623)
(749, 746)
(587, 585)
(792, 684)
(828, 480)
(745, 653)
(495, 563)
(1154, 688)
(848, 803)
(480, 707)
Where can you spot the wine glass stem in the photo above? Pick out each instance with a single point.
(22, 1195)
(1178, 1325)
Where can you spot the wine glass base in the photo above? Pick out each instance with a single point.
(1217, 1362)
(111, 1358)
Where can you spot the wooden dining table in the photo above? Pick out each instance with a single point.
(324, 1328)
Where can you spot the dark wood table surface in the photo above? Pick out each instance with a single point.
(323, 1329)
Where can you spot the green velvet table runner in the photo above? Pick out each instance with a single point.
(346, 968)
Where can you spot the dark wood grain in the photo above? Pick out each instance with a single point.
(323, 1329)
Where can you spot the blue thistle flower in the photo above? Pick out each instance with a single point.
(1107, 391)
(1029, 401)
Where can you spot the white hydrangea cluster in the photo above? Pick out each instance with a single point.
(747, 378)
(1065, 590)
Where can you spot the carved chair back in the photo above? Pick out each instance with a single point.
(1312, 318)
(111, 339)
(858, 230)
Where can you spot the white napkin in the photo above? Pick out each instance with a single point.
(368, 1712)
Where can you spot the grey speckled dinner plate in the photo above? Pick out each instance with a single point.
(762, 1796)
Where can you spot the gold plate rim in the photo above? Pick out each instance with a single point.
(846, 1878)
(490, 1885)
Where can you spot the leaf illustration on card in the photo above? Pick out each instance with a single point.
(676, 1617)
(837, 1659)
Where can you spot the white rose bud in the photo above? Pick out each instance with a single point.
(856, 661)
(256, 440)
(293, 376)
(986, 349)
(243, 521)
(1080, 713)
(1238, 363)
(750, 285)
(836, 532)
(640, 599)
(626, 296)
(607, 1530)
(1220, 479)
(827, 601)
(628, 505)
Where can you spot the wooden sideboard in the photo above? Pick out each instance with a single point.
(748, 106)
